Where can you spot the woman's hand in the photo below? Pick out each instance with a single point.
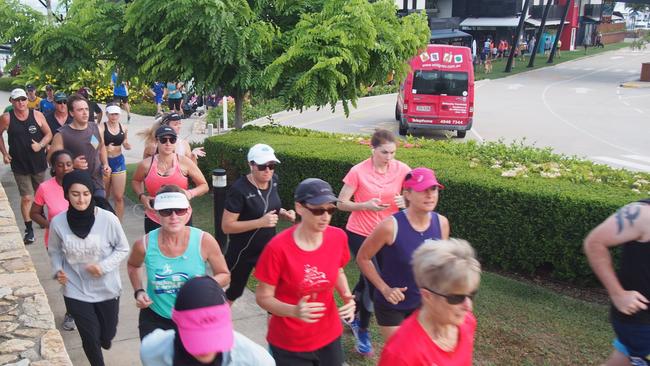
(374, 204)
(289, 215)
(126, 145)
(61, 277)
(143, 301)
(309, 312)
(146, 201)
(394, 294)
(399, 201)
(268, 220)
(346, 312)
(94, 269)
(198, 152)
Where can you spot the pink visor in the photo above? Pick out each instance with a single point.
(205, 330)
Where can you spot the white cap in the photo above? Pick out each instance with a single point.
(170, 200)
(113, 109)
(18, 93)
(262, 154)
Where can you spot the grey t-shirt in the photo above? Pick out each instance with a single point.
(87, 143)
(105, 245)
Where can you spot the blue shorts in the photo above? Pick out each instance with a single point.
(157, 99)
(117, 164)
(633, 340)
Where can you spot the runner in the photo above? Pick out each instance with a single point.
(157, 90)
(441, 331)
(298, 272)
(205, 333)
(121, 92)
(86, 246)
(50, 194)
(165, 168)
(33, 100)
(394, 241)
(47, 104)
(171, 255)
(251, 213)
(115, 138)
(174, 94)
(28, 135)
(629, 286)
(95, 113)
(60, 116)
(174, 121)
(376, 184)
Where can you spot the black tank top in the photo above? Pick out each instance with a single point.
(634, 274)
(109, 138)
(21, 133)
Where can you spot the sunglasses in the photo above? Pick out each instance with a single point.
(164, 140)
(263, 167)
(62, 102)
(320, 211)
(21, 99)
(454, 299)
(168, 212)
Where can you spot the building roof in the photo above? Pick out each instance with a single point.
(490, 22)
(538, 22)
(447, 33)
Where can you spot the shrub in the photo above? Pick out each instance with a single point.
(523, 224)
(7, 83)
(145, 108)
(252, 110)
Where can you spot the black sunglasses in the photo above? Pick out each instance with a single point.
(262, 167)
(170, 139)
(21, 99)
(168, 212)
(320, 211)
(454, 299)
(61, 102)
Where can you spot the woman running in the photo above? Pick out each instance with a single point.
(115, 137)
(394, 241)
(298, 272)
(165, 168)
(174, 121)
(251, 213)
(86, 246)
(171, 255)
(376, 184)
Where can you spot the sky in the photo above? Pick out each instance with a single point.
(38, 6)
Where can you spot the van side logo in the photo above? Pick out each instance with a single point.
(435, 56)
(447, 57)
(424, 57)
(458, 59)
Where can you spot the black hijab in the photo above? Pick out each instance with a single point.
(80, 222)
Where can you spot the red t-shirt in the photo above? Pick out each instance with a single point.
(296, 273)
(412, 346)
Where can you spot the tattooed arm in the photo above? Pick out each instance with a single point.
(630, 223)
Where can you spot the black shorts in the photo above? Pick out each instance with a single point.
(174, 104)
(121, 99)
(387, 317)
(328, 355)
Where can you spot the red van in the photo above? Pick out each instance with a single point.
(438, 93)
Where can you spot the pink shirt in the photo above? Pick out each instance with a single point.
(50, 194)
(367, 184)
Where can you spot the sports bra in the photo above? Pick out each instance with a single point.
(109, 138)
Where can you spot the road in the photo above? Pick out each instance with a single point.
(577, 108)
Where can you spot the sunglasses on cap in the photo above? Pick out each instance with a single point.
(168, 212)
(453, 299)
(166, 139)
(263, 167)
(61, 101)
(319, 211)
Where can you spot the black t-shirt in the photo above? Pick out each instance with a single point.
(250, 203)
(93, 109)
(54, 123)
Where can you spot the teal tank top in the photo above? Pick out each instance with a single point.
(166, 275)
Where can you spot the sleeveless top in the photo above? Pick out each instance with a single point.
(166, 275)
(153, 181)
(395, 259)
(634, 274)
(109, 138)
(85, 142)
(173, 92)
(21, 133)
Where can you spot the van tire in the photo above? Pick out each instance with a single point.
(461, 134)
(403, 128)
(397, 114)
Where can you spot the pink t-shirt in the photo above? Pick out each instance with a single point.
(367, 184)
(50, 195)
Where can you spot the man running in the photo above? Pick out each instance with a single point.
(47, 105)
(33, 100)
(60, 116)
(629, 288)
(121, 92)
(28, 135)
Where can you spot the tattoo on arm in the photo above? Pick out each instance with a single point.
(629, 213)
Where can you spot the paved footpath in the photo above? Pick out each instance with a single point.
(249, 319)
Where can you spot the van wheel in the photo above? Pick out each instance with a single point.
(397, 114)
(403, 129)
(461, 134)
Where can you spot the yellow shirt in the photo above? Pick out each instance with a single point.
(33, 104)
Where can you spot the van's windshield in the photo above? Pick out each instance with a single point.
(439, 82)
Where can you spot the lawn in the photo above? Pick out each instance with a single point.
(518, 323)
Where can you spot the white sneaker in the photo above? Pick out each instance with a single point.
(68, 323)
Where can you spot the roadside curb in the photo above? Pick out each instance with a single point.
(636, 84)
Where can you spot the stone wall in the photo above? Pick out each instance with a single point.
(28, 335)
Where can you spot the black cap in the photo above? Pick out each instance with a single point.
(199, 292)
(165, 131)
(49, 87)
(30, 87)
(174, 117)
(315, 192)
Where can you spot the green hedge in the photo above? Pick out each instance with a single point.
(7, 83)
(533, 225)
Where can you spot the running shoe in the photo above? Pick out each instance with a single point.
(68, 323)
(354, 326)
(29, 236)
(363, 346)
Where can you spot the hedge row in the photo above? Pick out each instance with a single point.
(7, 83)
(532, 225)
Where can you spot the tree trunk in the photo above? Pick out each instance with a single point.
(239, 109)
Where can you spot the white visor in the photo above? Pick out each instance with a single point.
(170, 200)
(113, 109)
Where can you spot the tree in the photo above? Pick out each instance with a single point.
(18, 24)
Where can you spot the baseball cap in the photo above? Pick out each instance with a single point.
(49, 87)
(165, 131)
(60, 97)
(170, 200)
(113, 109)
(315, 192)
(420, 179)
(173, 117)
(30, 87)
(203, 317)
(83, 91)
(262, 154)
(17, 93)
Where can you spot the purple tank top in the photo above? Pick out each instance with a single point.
(395, 260)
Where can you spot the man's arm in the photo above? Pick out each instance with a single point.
(47, 132)
(57, 144)
(4, 124)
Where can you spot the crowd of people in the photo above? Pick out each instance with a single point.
(416, 281)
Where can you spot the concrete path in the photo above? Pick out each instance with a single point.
(249, 319)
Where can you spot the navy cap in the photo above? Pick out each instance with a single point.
(315, 192)
(60, 97)
(30, 87)
(49, 87)
(165, 131)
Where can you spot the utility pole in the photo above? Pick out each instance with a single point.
(559, 31)
(540, 31)
(515, 44)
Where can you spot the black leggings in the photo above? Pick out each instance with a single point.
(97, 325)
(240, 265)
(364, 290)
(329, 355)
(148, 321)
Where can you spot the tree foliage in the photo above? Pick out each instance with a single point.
(18, 24)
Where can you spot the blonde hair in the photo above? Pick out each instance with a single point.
(149, 134)
(446, 265)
